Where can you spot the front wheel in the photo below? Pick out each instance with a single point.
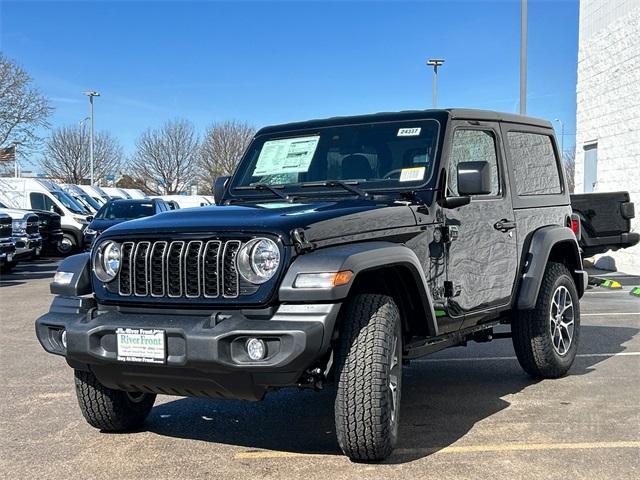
(67, 245)
(108, 409)
(546, 338)
(369, 377)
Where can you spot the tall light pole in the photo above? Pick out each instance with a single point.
(523, 58)
(435, 63)
(91, 95)
(561, 137)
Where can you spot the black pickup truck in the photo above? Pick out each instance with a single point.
(605, 221)
(339, 249)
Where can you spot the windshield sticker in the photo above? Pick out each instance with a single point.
(409, 132)
(412, 174)
(288, 155)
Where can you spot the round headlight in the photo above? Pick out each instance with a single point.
(258, 260)
(107, 261)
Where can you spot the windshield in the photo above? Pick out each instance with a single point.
(69, 202)
(125, 210)
(373, 156)
(89, 200)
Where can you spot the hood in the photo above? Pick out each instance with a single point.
(17, 214)
(320, 219)
(100, 224)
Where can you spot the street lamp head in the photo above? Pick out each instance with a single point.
(92, 94)
(435, 62)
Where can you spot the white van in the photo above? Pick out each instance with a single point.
(81, 197)
(115, 193)
(37, 194)
(135, 193)
(185, 201)
(95, 192)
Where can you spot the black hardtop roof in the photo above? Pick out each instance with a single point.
(439, 114)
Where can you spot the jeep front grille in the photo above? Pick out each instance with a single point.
(181, 269)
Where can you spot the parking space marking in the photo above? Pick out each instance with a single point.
(488, 448)
(490, 359)
(608, 313)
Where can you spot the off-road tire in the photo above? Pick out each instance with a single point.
(366, 422)
(532, 335)
(108, 409)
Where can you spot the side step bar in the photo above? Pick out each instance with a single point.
(479, 333)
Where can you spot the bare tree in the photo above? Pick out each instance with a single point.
(66, 155)
(569, 164)
(222, 147)
(166, 159)
(23, 109)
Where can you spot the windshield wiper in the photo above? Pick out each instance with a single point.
(264, 186)
(349, 186)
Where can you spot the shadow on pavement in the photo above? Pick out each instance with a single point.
(29, 270)
(441, 402)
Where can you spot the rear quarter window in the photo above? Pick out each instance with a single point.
(534, 163)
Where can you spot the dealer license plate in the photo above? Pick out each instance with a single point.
(141, 345)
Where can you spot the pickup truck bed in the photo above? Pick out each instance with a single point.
(606, 221)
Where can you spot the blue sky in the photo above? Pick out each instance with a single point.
(271, 62)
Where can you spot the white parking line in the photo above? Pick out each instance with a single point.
(492, 359)
(608, 314)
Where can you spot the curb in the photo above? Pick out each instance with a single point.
(635, 291)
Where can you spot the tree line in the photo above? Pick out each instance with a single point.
(166, 160)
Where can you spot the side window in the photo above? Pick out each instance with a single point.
(472, 146)
(38, 201)
(534, 164)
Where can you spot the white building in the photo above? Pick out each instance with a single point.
(608, 110)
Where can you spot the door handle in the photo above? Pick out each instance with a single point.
(504, 225)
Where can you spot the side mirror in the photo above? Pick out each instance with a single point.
(218, 188)
(90, 218)
(474, 178)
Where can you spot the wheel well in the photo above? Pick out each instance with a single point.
(567, 253)
(397, 281)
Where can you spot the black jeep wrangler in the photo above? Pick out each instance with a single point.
(339, 249)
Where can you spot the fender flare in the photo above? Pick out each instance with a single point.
(358, 258)
(542, 242)
(80, 283)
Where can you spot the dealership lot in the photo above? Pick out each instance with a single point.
(466, 413)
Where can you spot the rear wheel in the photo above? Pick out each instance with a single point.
(369, 378)
(108, 409)
(546, 338)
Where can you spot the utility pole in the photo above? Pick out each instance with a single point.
(523, 58)
(91, 95)
(16, 167)
(435, 63)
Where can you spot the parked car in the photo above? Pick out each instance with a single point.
(116, 193)
(37, 194)
(185, 201)
(82, 197)
(49, 228)
(118, 211)
(7, 242)
(25, 228)
(95, 192)
(339, 249)
(135, 193)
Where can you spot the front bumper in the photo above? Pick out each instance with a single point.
(205, 352)
(7, 251)
(27, 245)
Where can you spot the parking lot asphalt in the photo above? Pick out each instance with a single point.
(467, 413)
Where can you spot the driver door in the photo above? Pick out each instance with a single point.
(481, 259)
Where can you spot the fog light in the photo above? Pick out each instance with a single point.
(256, 349)
(63, 338)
